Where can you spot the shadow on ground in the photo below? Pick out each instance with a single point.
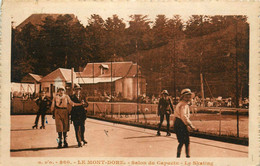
(42, 148)
(21, 129)
(140, 137)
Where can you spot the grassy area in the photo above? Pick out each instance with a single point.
(207, 123)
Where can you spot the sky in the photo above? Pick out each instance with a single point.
(84, 8)
(84, 17)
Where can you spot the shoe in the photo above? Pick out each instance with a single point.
(85, 142)
(35, 126)
(42, 127)
(158, 134)
(178, 155)
(65, 144)
(168, 134)
(79, 144)
(60, 145)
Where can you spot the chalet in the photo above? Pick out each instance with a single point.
(122, 79)
(119, 78)
(57, 78)
(31, 80)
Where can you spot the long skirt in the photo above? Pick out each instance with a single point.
(62, 120)
(181, 131)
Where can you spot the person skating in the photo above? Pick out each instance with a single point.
(182, 122)
(43, 103)
(165, 108)
(60, 113)
(78, 115)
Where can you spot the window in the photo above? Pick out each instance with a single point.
(103, 68)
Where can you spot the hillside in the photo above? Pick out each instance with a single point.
(210, 54)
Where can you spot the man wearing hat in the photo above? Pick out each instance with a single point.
(164, 109)
(43, 103)
(60, 112)
(182, 122)
(78, 115)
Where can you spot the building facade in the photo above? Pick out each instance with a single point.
(59, 77)
(122, 80)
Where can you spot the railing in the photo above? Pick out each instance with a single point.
(214, 120)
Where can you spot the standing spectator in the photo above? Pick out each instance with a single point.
(229, 104)
(182, 122)
(153, 100)
(60, 112)
(245, 103)
(44, 104)
(78, 115)
(164, 109)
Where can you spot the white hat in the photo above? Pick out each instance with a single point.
(61, 88)
(186, 92)
(165, 92)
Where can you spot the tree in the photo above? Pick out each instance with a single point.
(160, 31)
(214, 53)
(60, 41)
(96, 38)
(198, 25)
(175, 34)
(24, 49)
(115, 36)
(64, 43)
(168, 52)
(136, 32)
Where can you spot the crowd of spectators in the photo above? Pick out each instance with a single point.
(198, 102)
(153, 99)
(24, 95)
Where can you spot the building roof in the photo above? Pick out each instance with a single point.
(37, 19)
(36, 77)
(59, 75)
(119, 69)
(31, 78)
(133, 70)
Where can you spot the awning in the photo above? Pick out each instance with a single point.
(97, 80)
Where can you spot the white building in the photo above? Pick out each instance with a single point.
(122, 77)
(57, 78)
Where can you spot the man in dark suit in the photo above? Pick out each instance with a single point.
(78, 115)
(44, 104)
(165, 108)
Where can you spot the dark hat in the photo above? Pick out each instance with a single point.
(77, 86)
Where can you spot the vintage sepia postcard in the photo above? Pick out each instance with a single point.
(129, 83)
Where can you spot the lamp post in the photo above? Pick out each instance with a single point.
(137, 105)
(236, 68)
